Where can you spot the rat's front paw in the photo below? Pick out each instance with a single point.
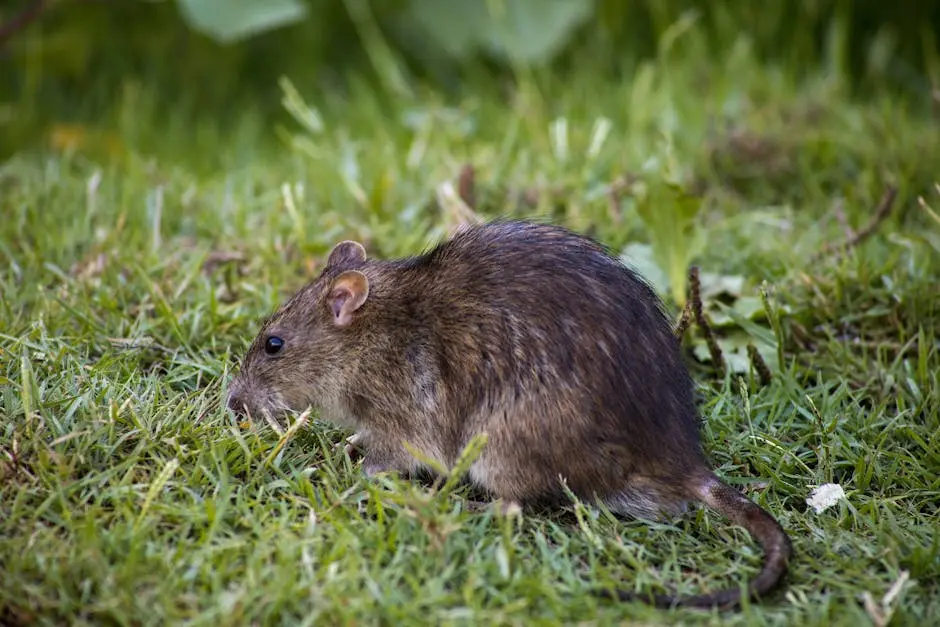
(375, 459)
(354, 446)
(508, 509)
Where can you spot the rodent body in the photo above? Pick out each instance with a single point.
(527, 332)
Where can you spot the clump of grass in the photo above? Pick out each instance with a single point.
(129, 288)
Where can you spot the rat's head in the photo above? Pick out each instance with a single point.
(304, 353)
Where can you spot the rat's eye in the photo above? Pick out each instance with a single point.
(273, 345)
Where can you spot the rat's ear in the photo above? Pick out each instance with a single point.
(350, 290)
(346, 252)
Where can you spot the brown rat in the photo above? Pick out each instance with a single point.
(528, 332)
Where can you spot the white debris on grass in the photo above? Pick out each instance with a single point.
(825, 496)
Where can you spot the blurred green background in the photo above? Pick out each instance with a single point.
(82, 60)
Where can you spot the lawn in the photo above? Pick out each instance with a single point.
(138, 257)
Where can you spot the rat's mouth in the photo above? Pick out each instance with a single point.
(244, 401)
(275, 415)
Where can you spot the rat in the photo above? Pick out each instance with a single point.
(527, 332)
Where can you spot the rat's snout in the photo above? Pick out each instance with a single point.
(235, 402)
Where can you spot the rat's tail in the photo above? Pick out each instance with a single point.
(762, 527)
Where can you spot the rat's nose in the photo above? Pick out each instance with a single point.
(234, 400)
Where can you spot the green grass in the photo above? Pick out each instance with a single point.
(129, 496)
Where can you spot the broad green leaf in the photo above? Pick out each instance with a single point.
(762, 334)
(227, 21)
(748, 307)
(670, 216)
(526, 30)
(640, 257)
(713, 285)
(734, 350)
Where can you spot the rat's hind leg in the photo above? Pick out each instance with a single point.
(646, 499)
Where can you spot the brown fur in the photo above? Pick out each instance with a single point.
(527, 332)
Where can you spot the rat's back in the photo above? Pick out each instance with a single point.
(562, 355)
